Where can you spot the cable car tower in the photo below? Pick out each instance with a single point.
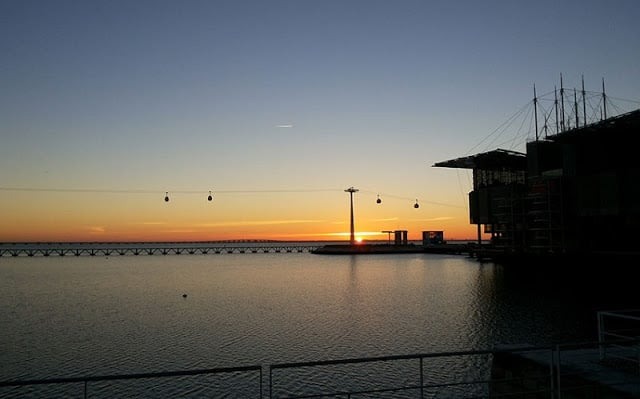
(352, 237)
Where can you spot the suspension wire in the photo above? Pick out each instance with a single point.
(201, 192)
(551, 97)
(594, 99)
(622, 99)
(409, 198)
(133, 191)
(78, 190)
(527, 117)
(504, 125)
(595, 108)
(497, 132)
(617, 107)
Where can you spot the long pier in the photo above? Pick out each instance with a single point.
(135, 249)
(205, 248)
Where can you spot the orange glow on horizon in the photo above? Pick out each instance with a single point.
(86, 217)
(176, 234)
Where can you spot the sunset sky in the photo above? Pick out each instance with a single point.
(277, 107)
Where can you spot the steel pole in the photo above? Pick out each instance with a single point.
(352, 236)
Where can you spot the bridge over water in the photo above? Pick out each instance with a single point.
(123, 249)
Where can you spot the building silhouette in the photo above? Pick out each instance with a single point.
(573, 192)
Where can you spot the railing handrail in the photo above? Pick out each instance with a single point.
(554, 371)
(159, 374)
(513, 349)
(621, 314)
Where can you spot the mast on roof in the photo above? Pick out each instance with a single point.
(562, 103)
(604, 100)
(584, 104)
(555, 103)
(535, 108)
(575, 102)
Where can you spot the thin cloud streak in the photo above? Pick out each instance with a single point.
(258, 223)
(384, 220)
(357, 233)
(440, 218)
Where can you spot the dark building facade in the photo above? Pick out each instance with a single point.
(575, 192)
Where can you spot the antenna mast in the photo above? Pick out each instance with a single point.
(562, 103)
(584, 104)
(535, 108)
(555, 102)
(604, 100)
(575, 102)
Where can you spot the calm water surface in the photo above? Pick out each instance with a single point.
(69, 316)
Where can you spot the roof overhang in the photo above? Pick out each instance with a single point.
(493, 160)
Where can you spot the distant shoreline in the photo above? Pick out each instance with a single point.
(238, 241)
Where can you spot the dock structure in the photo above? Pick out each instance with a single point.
(370, 249)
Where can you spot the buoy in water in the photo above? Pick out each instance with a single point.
(184, 295)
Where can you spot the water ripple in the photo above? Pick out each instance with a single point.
(87, 316)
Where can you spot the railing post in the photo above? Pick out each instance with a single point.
(558, 379)
(270, 382)
(85, 389)
(552, 374)
(636, 346)
(260, 382)
(421, 379)
(601, 336)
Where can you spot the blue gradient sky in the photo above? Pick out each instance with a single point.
(277, 95)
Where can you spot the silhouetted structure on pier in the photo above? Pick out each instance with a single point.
(575, 192)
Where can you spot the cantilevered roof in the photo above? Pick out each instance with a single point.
(493, 160)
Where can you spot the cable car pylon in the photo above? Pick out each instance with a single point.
(352, 237)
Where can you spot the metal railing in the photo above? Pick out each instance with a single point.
(423, 386)
(581, 371)
(337, 382)
(623, 329)
(86, 380)
(569, 370)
